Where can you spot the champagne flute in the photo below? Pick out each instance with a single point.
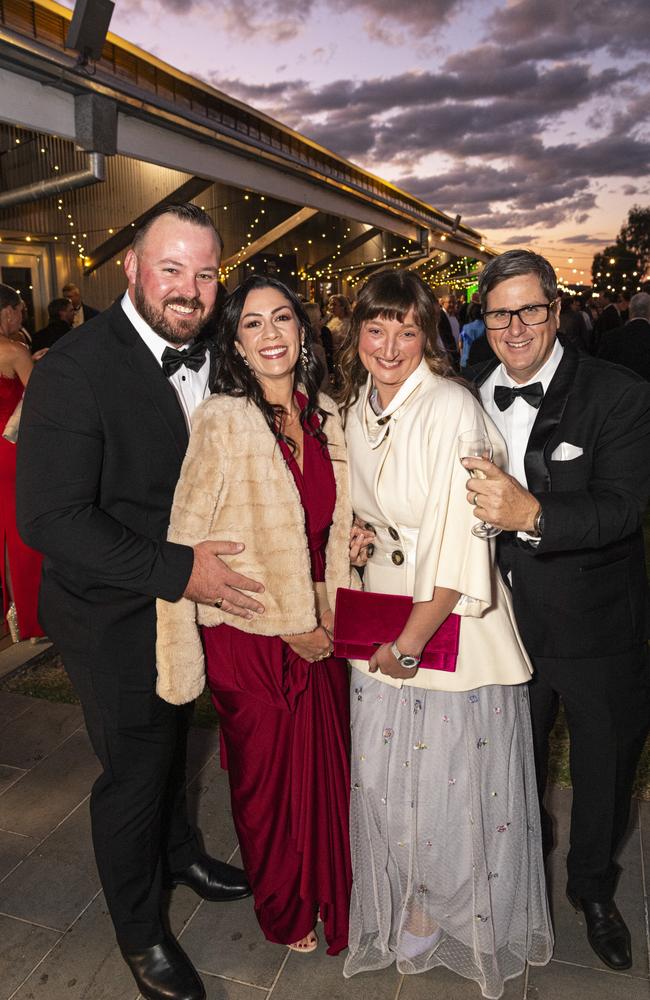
(476, 444)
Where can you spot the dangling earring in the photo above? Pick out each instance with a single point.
(304, 356)
(243, 358)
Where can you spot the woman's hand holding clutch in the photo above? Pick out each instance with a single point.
(384, 661)
(310, 646)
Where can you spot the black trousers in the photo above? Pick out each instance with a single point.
(607, 707)
(138, 807)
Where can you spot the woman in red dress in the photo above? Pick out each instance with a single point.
(20, 566)
(266, 465)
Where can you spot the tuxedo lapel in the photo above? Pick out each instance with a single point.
(154, 384)
(212, 354)
(549, 416)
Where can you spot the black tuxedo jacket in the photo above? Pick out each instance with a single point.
(89, 312)
(629, 345)
(102, 440)
(609, 319)
(582, 591)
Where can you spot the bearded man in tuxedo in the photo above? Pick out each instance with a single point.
(104, 430)
(570, 505)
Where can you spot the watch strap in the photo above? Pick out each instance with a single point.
(406, 659)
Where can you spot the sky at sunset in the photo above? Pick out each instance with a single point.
(529, 117)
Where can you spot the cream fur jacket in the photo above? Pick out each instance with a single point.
(236, 486)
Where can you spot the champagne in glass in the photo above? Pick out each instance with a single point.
(476, 444)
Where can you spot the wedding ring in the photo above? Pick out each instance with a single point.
(475, 500)
(218, 602)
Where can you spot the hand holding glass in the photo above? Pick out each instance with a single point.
(476, 444)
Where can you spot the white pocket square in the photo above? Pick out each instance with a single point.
(565, 452)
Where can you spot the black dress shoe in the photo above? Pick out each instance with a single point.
(213, 880)
(606, 931)
(164, 972)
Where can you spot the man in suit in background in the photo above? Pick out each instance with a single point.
(82, 312)
(571, 504)
(104, 431)
(629, 345)
(609, 318)
(60, 313)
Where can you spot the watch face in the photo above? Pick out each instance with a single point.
(409, 661)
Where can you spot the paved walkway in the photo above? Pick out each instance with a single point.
(56, 940)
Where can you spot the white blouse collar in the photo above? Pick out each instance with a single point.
(376, 426)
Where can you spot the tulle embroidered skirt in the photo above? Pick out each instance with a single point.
(445, 834)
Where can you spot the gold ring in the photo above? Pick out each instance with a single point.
(218, 602)
(475, 500)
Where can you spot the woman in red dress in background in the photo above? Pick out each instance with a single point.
(20, 566)
(266, 466)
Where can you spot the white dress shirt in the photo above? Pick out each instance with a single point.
(517, 421)
(454, 324)
(78, 319)
(191, 387)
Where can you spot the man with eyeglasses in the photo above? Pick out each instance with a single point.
(570, 506)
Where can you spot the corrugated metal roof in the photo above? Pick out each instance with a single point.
(153, 84)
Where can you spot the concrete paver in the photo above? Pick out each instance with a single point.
(56, 938)
(22, 946)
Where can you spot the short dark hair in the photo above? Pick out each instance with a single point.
(513, 264)
(9, 297)
(55, 306)
(184, 212)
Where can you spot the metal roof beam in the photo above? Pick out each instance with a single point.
(348, 247)
(123, 238)
(426, 258)
(369, 267)
(175, 142)
(457, 249)
(265, 240)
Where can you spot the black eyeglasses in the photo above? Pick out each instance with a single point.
(532, 315)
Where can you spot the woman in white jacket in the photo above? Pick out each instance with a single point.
(445, 832)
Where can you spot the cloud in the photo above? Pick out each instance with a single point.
(507, 146)
(526, 124)
(519, 241)
(386, 20)
(561, 28)
(277, 20)
(584, 238)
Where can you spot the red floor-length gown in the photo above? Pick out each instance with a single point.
(24, 563)
(285, 726)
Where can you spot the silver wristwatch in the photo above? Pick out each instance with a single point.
(405, 659)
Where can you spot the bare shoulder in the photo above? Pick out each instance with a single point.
(12, 350)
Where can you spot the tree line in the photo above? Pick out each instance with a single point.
(622, 266)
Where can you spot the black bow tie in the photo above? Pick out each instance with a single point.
(504, 396)
(193, 357)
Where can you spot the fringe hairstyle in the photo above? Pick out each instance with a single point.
(234, 378)
(390, 295)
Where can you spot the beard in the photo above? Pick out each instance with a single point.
(181, 329)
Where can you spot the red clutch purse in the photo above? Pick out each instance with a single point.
(364, 621)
